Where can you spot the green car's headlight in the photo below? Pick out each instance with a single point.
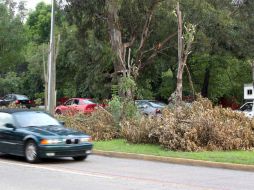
(51, 141)
(86, 139)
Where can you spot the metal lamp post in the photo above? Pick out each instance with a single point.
(51, 65)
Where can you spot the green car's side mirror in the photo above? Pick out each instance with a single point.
(62, 123)
(9, 125)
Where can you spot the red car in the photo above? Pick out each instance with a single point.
(75, 105)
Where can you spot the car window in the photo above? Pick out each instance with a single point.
(68, 103)
(141, 105)
(138, 102)
(247, 107)
(157, 104)
(36, 119)
(5, 118)
(75, 102)
(22, 97)
(88, 102)
(7, 98)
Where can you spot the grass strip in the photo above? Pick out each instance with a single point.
(120, 145)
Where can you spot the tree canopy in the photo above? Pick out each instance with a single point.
(103, 40)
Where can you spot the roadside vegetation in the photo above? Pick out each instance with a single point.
(126, 50)
(121, 145)
(195, 127)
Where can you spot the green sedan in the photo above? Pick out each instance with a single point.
(36, 135)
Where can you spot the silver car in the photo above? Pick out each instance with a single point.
(247, 109)
(150, 107)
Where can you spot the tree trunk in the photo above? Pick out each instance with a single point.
(184, 47)
(116, 38)
(179, 83)
(205, 87)
(45, 74)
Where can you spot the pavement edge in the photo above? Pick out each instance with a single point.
(182, 161)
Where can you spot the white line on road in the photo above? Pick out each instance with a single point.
(107, 176)
(56, 170)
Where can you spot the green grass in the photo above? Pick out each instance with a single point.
(238, 157)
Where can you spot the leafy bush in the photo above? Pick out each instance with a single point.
(130, 110)
(115, 107)
(121, 109)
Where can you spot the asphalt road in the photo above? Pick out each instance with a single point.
(103, 173)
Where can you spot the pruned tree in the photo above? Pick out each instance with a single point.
(185, 40)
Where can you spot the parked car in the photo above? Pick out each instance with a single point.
(16, 99)
(247, 109)
(150, 107)
(75, 105)
(36, 135)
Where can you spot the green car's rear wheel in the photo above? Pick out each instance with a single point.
(31, 152)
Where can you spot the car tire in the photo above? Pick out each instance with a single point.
(79, 158)
(31, 152)
(58, 112)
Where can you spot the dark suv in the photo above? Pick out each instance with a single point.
(16, 99)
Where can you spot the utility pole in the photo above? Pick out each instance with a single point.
(51, 65)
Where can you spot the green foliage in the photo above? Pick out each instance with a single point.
(127, 86)
(228, 75)
(85, 65)
(12, 41)
(122, 108)
(38, 23)
(39, 95)
(11, 83)
(130, 110)
(115, 107)
(144, 89)
(168, 84)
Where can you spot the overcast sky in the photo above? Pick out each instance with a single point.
(31, 4)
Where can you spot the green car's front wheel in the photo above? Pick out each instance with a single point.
(31, 152)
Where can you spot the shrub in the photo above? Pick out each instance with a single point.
(139, 130)
(100, 124)
(115, 107)
(193, 128)
(202, 127)
(121, 109)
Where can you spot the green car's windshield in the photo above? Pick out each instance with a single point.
(36, 119)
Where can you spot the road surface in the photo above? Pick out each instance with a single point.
(103, 173)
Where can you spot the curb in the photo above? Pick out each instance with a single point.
(181, 161)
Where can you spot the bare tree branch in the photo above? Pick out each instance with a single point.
(156, 49)
(146, 27)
